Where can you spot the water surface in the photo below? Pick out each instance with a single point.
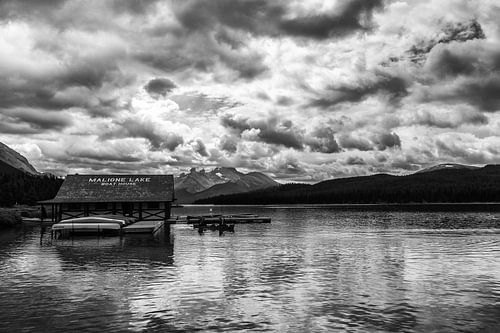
(312, 269)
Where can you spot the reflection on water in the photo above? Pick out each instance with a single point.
(312, 269)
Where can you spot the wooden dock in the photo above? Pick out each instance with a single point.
(234, 219)
(143, 227)
(240, 220)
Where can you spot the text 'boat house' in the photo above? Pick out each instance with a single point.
(145, 197)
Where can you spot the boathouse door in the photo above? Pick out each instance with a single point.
(128, 208)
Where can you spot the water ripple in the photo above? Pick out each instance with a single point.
(312, 269)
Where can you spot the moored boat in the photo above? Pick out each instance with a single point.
(91, 225)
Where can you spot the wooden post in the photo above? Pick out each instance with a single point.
(114, 208)
(85, 209)
(166, 211)
(140, 211)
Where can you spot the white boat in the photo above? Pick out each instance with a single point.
(86, 227)
(94, 219)
(92, 224)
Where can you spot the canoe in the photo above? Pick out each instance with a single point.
(95, 219)
(86, 227)
(90, 225)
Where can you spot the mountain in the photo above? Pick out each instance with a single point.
(447, 166)
(12, 162)
(21, 183)
(201, 184)
(441, 185)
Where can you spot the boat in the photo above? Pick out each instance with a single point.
(99, 224)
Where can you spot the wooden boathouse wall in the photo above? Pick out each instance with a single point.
(145, 197)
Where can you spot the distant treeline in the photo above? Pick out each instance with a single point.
(479, 185)
(23, 188)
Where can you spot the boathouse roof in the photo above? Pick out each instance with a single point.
(115, 188)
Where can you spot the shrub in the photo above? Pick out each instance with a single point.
(9, 219)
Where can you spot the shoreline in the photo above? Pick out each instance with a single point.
(424, 207)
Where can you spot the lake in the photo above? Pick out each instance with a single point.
(313, 269)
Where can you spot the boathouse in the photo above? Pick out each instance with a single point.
(145, 197)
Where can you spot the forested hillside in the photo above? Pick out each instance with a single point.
(24, 188)
(477, 185)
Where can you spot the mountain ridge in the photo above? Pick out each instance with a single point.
(221, 180)
(11, 161)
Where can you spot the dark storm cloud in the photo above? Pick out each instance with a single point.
(355, 160)
(133, 6)
(464, 73)
(159, 86)
(448, 64)
(7, 127)
(46, 96)
(251, 15)
(269, 130)
(273, 18)
(133, 128)
(23, 8)
(92, 72)
(199, 147)
(205, 40)
(349, 142)
(392, 86)
(76, 84)
(168, 61)
(284, 136)
(44, 9)
(352, 16)
(284, 133)
(462, 32)
(30, 95)
(38, 119)
(203, 54)
(459, 32)
(375, 141)
(464, 59)
(67, 77)
(322, 140)
(455, 120)
(480, 92)
(386, 140)
(248, 68)
(172, 141)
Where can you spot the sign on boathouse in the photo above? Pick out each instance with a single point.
(119, 181)
(141, 196)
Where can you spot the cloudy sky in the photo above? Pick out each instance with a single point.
(301, 90)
